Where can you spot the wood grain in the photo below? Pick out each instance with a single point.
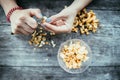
(19, 60)
(56, 73)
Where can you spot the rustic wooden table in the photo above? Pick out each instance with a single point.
(18, 60)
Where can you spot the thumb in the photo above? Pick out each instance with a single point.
(35, 12)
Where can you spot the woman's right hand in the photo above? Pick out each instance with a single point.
(22, 21)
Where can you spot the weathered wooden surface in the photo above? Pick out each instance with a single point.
(56, 73)
(18, 60)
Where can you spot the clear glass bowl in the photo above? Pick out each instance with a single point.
(84, 66)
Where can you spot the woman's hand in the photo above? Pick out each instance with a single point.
(22, 21)
(65, 18)
(61, 22)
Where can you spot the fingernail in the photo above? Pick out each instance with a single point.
(48, 20)
(12, 33)
(35, 17)
(40, 15)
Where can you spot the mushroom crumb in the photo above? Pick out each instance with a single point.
(85, 22)
(39, 36)
(74, 55)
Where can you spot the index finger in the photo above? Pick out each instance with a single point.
(57, 29)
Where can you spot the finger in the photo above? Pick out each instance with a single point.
(14, 29)
(21, 30)
(27, 28)
(31, 22)
(57, 17)
(46, 28)
(15, 32)
(35, 12)
(18, 30)
(60, 22)
(59, 29)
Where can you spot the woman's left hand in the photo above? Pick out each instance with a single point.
(61, 22)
